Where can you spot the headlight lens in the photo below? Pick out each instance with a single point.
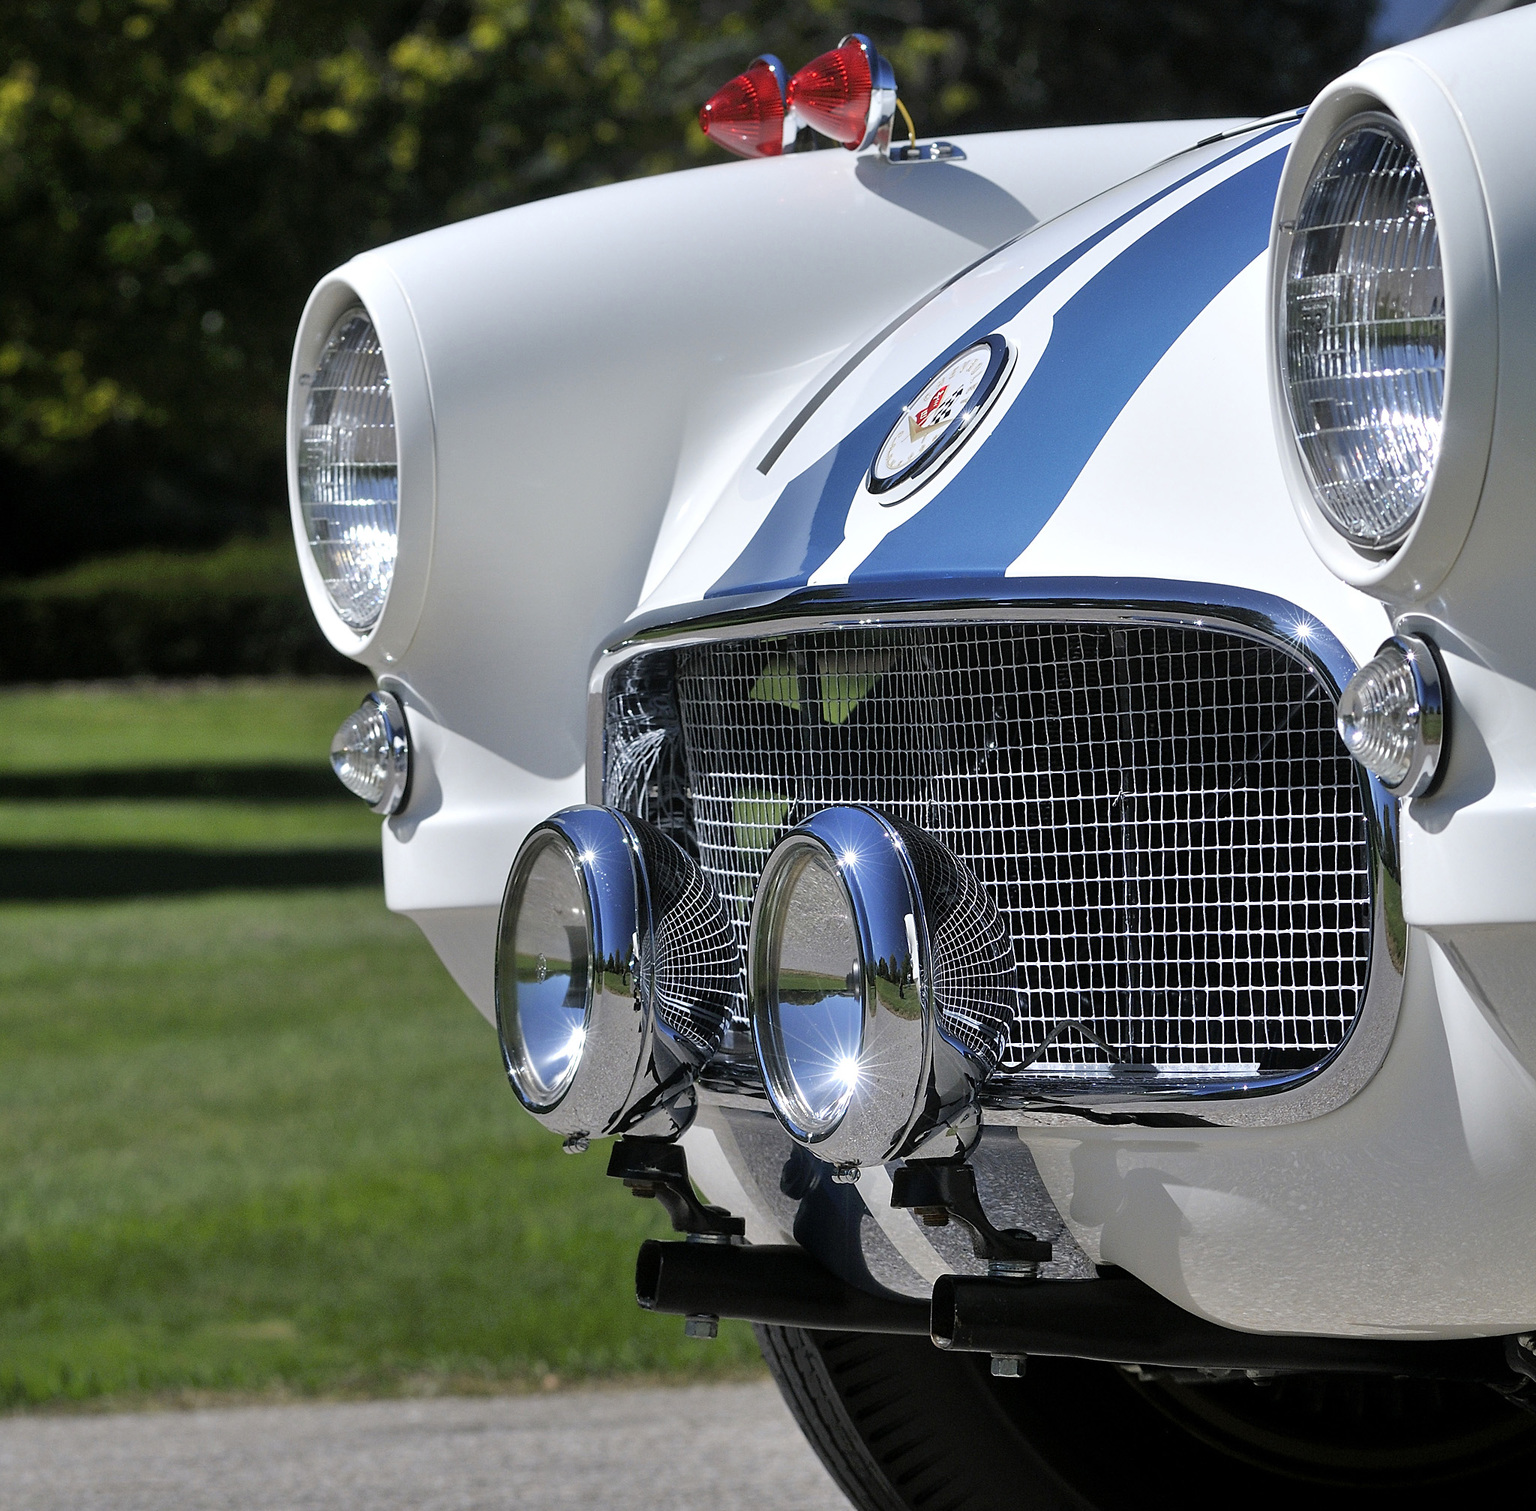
(349, 473)
(813, 1035)
(544, 1023)
(1362, 327)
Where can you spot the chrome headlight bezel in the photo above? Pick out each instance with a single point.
(1394, 86)
(368, 283)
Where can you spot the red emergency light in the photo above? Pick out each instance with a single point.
(848, 94)
(749, 116)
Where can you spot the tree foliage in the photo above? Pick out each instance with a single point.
(175, 174)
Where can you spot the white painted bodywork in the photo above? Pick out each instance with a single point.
(574, 381)
(605, 373)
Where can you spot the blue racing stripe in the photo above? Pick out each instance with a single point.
(1104, 342)
(806, 522)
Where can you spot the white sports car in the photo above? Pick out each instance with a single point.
(978, 700)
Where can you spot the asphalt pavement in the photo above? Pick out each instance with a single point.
(703, 1448)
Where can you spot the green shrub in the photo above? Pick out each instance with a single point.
(237, 611)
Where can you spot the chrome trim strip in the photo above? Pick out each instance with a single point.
(1112, 1097)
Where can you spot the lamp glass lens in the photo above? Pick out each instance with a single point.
(349, 473)
(361, 753)
(817, 998)
(1379, 716)
(545, 949)
(1363, 328)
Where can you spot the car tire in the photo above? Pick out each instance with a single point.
(901, 1426)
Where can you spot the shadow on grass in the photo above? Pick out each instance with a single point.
(273, 782)
(53, 873)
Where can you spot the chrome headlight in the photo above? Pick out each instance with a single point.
(882, 987)
(371, 753)
(349, 473)
(1391, 715)
(1362, 332)
(616, 968)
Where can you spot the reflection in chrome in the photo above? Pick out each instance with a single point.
(616, 968)
(881, 986)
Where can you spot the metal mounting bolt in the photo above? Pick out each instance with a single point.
(703, 1325)
(576, 1143)
(1008, 1366)
(1013, 1269)
(845, 1175)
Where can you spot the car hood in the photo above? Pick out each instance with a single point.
(1131, 440)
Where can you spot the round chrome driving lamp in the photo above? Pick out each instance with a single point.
(616, 969)
(882, 988)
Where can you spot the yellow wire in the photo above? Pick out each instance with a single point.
(906, 115)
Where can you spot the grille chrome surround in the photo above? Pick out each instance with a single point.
(1305, 1017)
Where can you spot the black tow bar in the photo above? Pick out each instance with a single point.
(1119, 1320)
(777, 1283)
(1116, 1318)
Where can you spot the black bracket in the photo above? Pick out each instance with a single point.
(937, 1192)
(659, 1168)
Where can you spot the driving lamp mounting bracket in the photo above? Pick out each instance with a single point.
(937, 1191)
(658, 1168)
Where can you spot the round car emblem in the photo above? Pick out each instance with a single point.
(949, 404)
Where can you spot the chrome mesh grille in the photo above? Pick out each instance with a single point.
(1163, 816)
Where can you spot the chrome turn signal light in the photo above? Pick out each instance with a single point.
(1391, 716)
(882, 988)
(371, 753)
(616, 970)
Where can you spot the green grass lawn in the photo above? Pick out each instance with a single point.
(89, 727)
(258, 826)
(257, 1142)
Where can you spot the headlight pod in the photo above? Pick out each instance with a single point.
(1383, 329)
(1362, 332)
(616, 968)
(361, 462)
(882, 987)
